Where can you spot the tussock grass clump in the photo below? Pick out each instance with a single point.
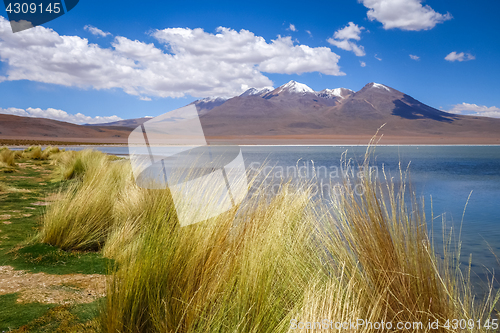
(215, 274)
(84, 215)
(3, 187)
(34, 153)
(49, 152)
(7, 157)
(38, 153)
(73, 164)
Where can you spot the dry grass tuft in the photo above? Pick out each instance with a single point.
(83, 216)
(7, 158)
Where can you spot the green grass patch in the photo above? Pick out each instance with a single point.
(52, 260)
(87, 311)
(65, 319)
(14, 315)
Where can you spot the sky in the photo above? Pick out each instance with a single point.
(110, 60)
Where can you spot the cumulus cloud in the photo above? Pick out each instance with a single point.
(454, 56)
(60, 115)
(414, 57)
(362, 64)
(192, 62)
(292, 27)
(96, 31)
(476, 110)
(350, 31)
(342, 39)
(404, 14)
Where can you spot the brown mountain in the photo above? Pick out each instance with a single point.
(294, 112)
(41, 129)
(131, 123)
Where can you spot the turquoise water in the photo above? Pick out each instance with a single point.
(447, 174)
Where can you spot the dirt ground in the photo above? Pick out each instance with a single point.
(52, 289)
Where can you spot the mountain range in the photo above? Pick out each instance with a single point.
(294, 114)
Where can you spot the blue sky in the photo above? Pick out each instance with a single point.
(133, 59)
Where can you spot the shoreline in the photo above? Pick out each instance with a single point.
(284, 141)
(22, 147)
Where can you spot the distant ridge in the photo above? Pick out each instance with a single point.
(132, 123)
(15, 128)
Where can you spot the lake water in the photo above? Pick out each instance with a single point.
(448, 174)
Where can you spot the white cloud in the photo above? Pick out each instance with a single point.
(414, 57)
(348, 46)
(404, 14)
(292, 27)
(378, 58)
(309, 33)
(60, 115)
(195, 62)
(362, 64)
(476, 110)
(342, 39)
(96, 31)
(350, 31)
(454, 56)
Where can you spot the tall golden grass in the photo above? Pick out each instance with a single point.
(3, 187)
(7, 157)
(38, 153)
(85, 212)
(266, 265)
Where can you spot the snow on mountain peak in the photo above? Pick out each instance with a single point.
(213, 99)
(258, 92)
(250, 92)
(381, 86)
(333, 93)
(295, 87)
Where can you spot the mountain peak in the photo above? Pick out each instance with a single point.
(257, 92)
(213, 99)
(378, 86)
(294, 87)
(334, 93)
